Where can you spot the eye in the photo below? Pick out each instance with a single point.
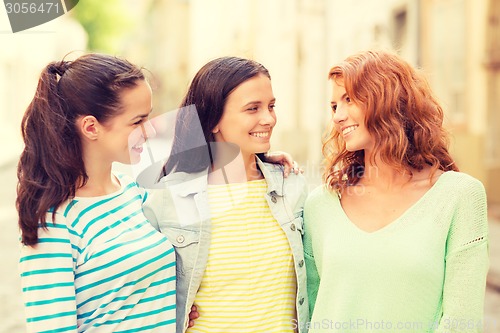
(334, 107)
(140, 121)
(348, 99)
(271, 107)
(253, 108)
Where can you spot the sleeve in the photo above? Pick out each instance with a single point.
(313, 278)
(47, 280)
(466, 263)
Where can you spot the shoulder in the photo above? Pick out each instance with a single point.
(131, 187)
(277, 171)
(321, 194)
(293, 186)
(320, 202)
(183, 178)
(461, 183)
(127, 183)
(64, 210)
(296, 180)
(125, 179)
(271, 167)
(177, 184)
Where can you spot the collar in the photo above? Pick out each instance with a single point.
(191, 183)
(273, 173)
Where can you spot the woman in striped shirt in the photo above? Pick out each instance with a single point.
(235, 221)
(90, 261)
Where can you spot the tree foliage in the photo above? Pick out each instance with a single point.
(106, 23)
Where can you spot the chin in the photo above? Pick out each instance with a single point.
(133, 160)
(352, 148)
(263, 149)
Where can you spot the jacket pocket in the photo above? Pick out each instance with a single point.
(185, 242)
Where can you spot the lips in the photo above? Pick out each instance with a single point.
(348, 129)
(261, 134)
(137, 149)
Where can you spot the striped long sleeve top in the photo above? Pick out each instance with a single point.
(100, 267)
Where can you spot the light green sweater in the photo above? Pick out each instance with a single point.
(424, 272)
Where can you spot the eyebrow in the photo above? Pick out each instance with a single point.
(258, 102)
(341, 98)
(141, 116)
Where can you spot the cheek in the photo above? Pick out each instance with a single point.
(135, 135)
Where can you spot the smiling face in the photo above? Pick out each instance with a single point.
(349, 119)
(122, 136)
(248, 117)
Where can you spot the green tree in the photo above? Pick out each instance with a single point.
(106, 23)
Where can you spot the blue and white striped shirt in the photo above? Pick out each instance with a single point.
(100, 268)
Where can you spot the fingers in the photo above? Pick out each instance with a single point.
(295, 169)
(286, 160)
(194, 312)
(193, 315)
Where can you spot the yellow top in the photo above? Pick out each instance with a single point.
(249, 283)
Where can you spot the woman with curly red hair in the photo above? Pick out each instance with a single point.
(397, 238)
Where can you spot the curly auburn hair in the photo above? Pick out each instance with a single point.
(402, 115)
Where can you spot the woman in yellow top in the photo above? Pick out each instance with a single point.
(235, 221)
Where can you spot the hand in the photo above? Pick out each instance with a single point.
(284, 159)
(193, 315)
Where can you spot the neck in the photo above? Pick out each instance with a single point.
(380, 174)
(100, 180)
(239, 170)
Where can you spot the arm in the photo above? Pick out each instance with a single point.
(283, 158)
(466, 264)
(47, 279)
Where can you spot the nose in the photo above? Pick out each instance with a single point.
(268, 118)
(148, 131)
(340, 115)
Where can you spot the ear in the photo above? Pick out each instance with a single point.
(89, 127)
(215, 130)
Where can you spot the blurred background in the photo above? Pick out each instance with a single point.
(456, 43)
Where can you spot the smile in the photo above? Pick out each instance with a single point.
(260, 134)
(349, 129)
(137, 148)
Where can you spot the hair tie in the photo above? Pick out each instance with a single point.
(58, 68)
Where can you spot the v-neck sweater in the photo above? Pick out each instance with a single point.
(423, 272)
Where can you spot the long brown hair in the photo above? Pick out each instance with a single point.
(402, 115)
(51, 165)
(202, 108)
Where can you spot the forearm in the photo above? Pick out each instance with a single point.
(464, 290)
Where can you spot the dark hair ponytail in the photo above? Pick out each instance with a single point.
(51, 166)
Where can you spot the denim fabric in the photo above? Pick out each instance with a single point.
(180, 211)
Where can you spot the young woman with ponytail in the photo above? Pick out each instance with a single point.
(90, 261)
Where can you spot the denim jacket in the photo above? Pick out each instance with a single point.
(180, 210)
